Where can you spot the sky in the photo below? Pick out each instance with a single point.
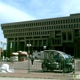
(24, 10)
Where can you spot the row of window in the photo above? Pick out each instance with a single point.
(57, 34)
(52, 22)
(28, 34)
(37, 42)
(64, 38)
(77, 32)
(67, 36)
(56, 42)
(42, 28)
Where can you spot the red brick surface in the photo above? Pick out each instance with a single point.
(21, 70)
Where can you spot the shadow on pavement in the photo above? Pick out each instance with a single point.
(40, 71)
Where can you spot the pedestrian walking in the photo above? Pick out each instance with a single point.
(32, 59)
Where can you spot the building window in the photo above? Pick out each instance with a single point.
(71, 25)
(66, 26)
(63, 21)
(40, 42)
(76, 32)
(64, 36)
(54, 27)
(51, 22)
(61, 26)
(31, 42)
(44, 42)
(36, 42)
(69, 36)
(54, 22)
(77, 20)
(69, 20)
(74, 20)
(75, 25)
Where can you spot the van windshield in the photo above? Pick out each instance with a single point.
(65, 55)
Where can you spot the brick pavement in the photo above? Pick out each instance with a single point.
(23, 72)
(33, 74)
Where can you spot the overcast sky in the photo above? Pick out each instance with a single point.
(23, 10)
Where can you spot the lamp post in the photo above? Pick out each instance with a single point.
(3, 43)
(28, 45)
(1, 49)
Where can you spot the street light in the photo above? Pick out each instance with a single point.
(3, 43)
(0, 49)
(28, 45)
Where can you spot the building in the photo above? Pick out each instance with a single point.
(62, 33)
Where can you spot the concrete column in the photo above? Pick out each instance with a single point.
(66, 36)
(42, 43)
(76, 49)
(25, 44)
(79, 49)
(17, 44)
(33, 42)
(50, 42)
(8, 48)
(14, 45)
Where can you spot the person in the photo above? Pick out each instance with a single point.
(32, 59)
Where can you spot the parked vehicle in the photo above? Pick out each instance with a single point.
(71, 58)
(57, 60)
(38, 55)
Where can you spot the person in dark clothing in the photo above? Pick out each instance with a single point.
(32, 59)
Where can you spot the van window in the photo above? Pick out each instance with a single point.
(65, 55)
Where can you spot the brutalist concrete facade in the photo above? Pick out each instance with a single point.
(62, 33)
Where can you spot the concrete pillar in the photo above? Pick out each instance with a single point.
(8, 48)
(76, 49)
(17, 44)
(66, 36)
(14, 45)
(79, 49)
(25, 44)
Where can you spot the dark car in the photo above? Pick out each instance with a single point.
(57, 60)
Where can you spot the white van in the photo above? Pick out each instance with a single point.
(38, 55)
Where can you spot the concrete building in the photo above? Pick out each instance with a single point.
(62, 33)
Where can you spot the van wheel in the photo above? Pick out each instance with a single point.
(44, 69)
(65, 70)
